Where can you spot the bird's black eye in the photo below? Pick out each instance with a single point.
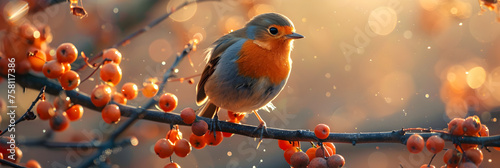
(273, 30)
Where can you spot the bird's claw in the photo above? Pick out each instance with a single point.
(260, 130)
(214, 126)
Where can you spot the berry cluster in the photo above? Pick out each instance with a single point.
(321, 155)
(200, 137)
(28, 46)
(59, 113)
(462, 155)
(172, 143)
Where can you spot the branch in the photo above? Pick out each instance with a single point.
(91, 144)
(28, 115)
(396, 136)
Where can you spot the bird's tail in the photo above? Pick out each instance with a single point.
(208, 110)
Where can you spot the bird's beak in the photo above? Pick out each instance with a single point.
(294, 36)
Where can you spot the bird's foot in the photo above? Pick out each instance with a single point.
(260, 129)
(214, 126)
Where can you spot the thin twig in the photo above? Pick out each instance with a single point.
(28, 115)
(63, 145)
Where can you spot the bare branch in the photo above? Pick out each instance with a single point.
(28, 115)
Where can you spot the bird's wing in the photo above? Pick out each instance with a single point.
(214, 56)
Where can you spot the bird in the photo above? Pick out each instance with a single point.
(247, 68)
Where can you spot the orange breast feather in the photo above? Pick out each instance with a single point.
(257, 62)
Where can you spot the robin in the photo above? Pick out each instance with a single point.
(247, 68)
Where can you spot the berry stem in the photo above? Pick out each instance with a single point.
(429, 165)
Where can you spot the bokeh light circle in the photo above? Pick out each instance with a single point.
(383, 20)
(160, 50)
(476, 77)
(184, 13)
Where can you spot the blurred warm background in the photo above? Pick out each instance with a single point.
(364, 66)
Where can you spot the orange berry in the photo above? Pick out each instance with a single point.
(455, 126)
(311, 153)
(322, 131)
(174, 134)
(52, 69)
(101, 95)
(119, 98)
(69, 80)
(320, 152)
(227, 134)
(427, 166)
(164, 148)
(62, 104)
(111, 73)
(168, 102)
(37, 59)
(332, 146)
(45, 34)
(111, 114)
(472, 125)
(235, 116)
(435, 144)
(130, 90)
(33, 164)
(199, 128)
(299, 159)
(150, 90)
(198, 142)
(452, 157)
(59, 122)
(172, 165)
(335, 161)
(23, 67)
(45, 110)
(188, 116)
(285, 144)
(182, 148)
(66, 53)
(75, 112)
(415, 143)
(112, 54)
(475, 155)
(5, 150)
(211, 140)
(484, 132)
(289, 152)
(67, 67)
(318, 162)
